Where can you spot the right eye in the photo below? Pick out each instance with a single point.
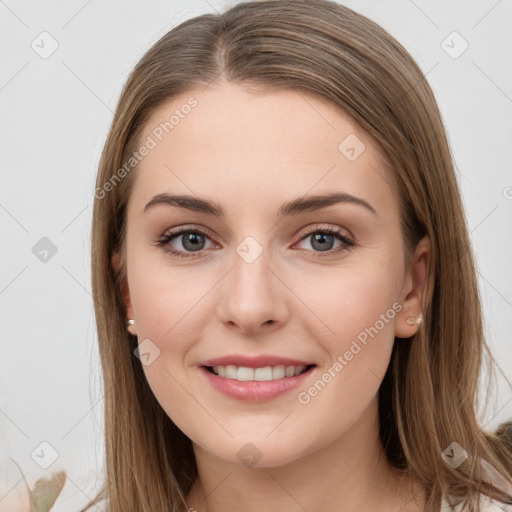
(192, 240)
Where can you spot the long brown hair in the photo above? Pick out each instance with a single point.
(428, 398)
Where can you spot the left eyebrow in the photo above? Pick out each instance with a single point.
(294, 207)
(313, 203)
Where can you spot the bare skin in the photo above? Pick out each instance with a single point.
(251, 151)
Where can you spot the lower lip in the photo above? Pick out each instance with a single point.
(255, 391)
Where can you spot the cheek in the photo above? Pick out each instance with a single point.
(168, 302)
(349, 302)
(171, 315)
(358, 311)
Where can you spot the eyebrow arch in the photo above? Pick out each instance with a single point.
(295, 207)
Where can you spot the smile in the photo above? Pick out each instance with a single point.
(257, 384)
(266, 373)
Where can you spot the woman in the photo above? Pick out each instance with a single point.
(285, 292)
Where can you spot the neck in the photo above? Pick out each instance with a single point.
(351, 474)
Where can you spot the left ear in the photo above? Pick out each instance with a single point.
(406, 323)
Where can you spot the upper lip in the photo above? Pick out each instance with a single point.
(254, 362)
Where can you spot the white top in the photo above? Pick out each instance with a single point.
(487, 505)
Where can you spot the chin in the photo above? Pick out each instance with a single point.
(259, 452)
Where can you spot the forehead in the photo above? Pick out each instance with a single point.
(227, 139)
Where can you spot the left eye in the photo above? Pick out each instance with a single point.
(322, 240)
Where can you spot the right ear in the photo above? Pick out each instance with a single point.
(126, 295)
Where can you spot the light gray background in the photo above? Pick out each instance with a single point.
(55, 116)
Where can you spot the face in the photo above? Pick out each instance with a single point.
(318, 284)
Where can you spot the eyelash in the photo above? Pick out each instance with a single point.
(164, 240)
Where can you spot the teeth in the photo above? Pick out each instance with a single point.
(244, 374)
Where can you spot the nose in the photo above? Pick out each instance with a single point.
(252, 297)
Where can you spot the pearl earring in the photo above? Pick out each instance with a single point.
(412, 320)
(130, 322)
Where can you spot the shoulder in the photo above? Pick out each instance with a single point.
(487, 505)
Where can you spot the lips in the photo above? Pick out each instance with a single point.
(255, 362)
(256, 391)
